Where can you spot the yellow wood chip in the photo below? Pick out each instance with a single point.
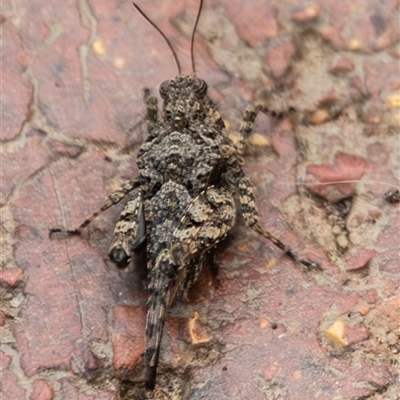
(335, 332)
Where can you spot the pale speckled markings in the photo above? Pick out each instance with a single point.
(207, 221)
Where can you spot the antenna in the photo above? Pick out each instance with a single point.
(162, 34)
(192, 40)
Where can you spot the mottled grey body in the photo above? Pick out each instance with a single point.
(189, 173)
(183, 206)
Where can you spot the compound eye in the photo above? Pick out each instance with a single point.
(164, 89)
(200, 87)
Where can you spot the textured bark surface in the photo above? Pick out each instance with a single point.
(72, 325)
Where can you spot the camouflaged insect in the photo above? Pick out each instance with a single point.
(189, 174)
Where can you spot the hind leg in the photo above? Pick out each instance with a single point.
(251, 218)
(236, 177)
